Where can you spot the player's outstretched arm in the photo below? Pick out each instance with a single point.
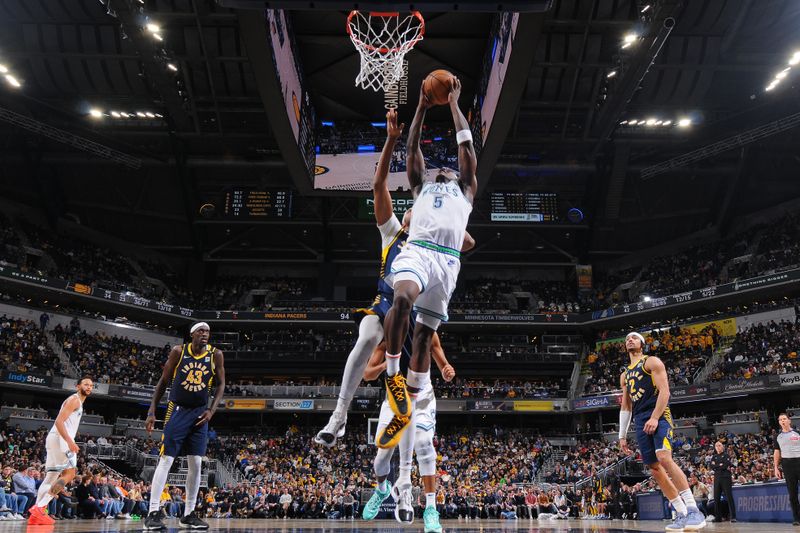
(380, 189)
(219, 391)
(415, 161)
(69, 407)
(376, 364)
(161, 386)
(467, 160)
(437, 353)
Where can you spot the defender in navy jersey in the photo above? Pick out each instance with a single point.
(394, 236)
(191, 371)
(645, 399)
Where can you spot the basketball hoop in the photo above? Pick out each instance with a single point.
(382, 41)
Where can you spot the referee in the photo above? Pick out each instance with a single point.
(787, 455)
(723, 482)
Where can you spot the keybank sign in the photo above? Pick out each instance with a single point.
(28, 379)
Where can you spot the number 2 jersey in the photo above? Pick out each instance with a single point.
(193, 377)
(642, 389)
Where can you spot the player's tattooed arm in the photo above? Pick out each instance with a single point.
(161, 386)
(380, 189)
(219, 391)
(415, 161)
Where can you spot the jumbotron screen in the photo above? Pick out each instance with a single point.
(507, 206)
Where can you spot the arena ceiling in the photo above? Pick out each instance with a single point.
(565, 136)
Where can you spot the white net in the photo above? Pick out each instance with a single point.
(382, 41)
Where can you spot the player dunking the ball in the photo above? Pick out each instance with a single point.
(62, 452)
(424, 275)
(645, 390)
(191, 371)
(394, 235)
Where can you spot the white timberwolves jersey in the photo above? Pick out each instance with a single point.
(72, 422)
(441, 212)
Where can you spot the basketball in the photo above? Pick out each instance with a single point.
(437, 86)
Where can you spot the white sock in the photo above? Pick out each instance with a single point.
(679, 505)
(404, 479)
(159, 480)
(430, 499)
(688, 499)
(392, 364)
(195, 464)
(43, 496)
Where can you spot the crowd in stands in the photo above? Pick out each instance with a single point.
(684, 353)
(703, 265)
(24, 348)
(767, 348)
(112, 359)
(501, 388)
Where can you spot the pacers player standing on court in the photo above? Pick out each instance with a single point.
(645, 388)
(191, 370)
(62, 458)
(424, 274)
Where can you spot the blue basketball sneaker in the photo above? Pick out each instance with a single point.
(694, 520)
(373, 506)
(431, 519)
(678, 525)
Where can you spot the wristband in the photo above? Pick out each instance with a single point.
(151, 414)
(464, 136)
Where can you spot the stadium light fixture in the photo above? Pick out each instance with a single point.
(172, 67)
(782, 74)
(140, 114)
(3, 69)
(630, 37)
(666, 123)
(684, 122)
(158, 37)
(646, 298)
(115, 114)
(95, 113)
(623, 122)
(658, 122)
(795, 58)
(651, 122)
(149, 114)
(645, 8)
(153, 28)
(611, 74)
(14, 82)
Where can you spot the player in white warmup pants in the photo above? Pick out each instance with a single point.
(62, 452)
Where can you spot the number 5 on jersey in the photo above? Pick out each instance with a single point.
(437, 201)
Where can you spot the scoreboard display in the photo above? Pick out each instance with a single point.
(524, 206)
(243, 203)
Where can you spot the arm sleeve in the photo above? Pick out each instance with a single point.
(388, 230)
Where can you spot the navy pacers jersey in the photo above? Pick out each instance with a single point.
(388, 254)
(641, 388)
(193, 377)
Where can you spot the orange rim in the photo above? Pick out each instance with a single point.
(384, 50)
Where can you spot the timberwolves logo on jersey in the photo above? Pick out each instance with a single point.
(195, 373)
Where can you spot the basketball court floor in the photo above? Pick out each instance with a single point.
(382, 526)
